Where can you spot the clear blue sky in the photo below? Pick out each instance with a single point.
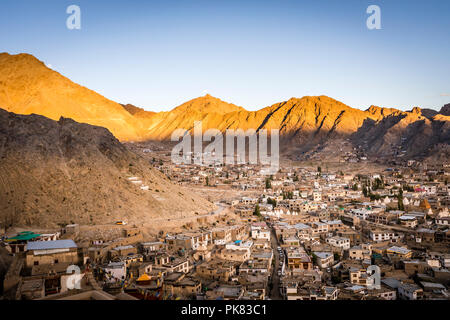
(158, 54)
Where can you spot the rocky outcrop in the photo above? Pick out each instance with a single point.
(59, 172)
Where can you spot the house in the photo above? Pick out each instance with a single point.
(18, 243)
(360, 277)
(361, 213)
(149, 247)
(217, 270)
(319, 227)
(115, 271)
(414, 267)
(259, 231)
(381, 235)
(408, 221)
(51, 252)
(424, 235)
(177, 265)
(189, 241)
(178, 284)
(385, 293)
(298, 259)
(226, 292)
(443, 221)
(122, 251)
(340, 242)
(324, 259)
(399, 252)
(360, 252)
(291, 241)
(409, 291)
(233, 255)
(296, 292)
(222, 235)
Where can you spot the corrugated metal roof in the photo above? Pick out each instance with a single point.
(55, 244)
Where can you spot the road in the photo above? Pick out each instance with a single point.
(275, 279)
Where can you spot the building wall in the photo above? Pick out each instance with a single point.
(66, 257)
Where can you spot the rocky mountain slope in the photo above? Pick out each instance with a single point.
(27, 86)
(405, 134)
(58, 172)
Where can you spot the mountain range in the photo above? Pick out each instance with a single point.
(27, 86)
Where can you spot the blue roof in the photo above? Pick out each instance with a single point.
(55, 244)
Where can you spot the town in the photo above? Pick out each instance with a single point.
(307, 232)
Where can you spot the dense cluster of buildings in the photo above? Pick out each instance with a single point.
(302, 235)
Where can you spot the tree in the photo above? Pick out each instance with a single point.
(257, 211)
(207, 181)
(319, 169)
(378, 184)
(365, 191)
(272, 202)
(268, 184)
(400, 200)
(314, 259)
(355, 187)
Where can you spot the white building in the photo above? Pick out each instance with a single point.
(339, 242)
(259, 232)
(381, 235)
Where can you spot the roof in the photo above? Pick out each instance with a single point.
(24, 236)
(55, 244)
(144, 277)
(399, 250)
(323, 255)
(432, 285)
(391, 282)
(123, 247)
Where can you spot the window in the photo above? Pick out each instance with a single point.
(56, 261)
(36, 263)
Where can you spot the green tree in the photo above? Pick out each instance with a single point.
(257, 212)
(365, 191)
(272, 202)
(314, 259)
(268, 184)
(400, 200)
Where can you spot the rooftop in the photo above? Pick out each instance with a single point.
(55, 244)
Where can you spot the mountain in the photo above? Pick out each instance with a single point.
(136, 111)
(307, 119)
(445, 110)
(405, 135)
(27, 86)
(212, 111)
(59, 172)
